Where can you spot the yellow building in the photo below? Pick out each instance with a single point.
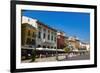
(74, 42)
(28, 35)
(28, 40)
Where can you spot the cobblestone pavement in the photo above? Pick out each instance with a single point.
(60, 58)
(79, 57)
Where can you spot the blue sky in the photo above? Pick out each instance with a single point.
(72, 23)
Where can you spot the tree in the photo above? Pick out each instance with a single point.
(66, 49)
(33, 55)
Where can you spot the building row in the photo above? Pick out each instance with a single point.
(44, 39)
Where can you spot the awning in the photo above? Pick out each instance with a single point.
(45, 49)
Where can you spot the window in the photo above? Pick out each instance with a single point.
(39, 28)
(55, 39)
(44, 35)
(29, 32)
(44, 46)
(48, 36)
(39, 34)
(51, 46)
(33, 35)
(52, 36)
(28, 41)
(44, 30)
(33, 42)
(55, 36)
(39, 46)
(48, 46)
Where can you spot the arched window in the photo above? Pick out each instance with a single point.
(39, 46)
(48, 46)
(44, 46)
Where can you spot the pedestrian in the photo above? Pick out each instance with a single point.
(66, 56)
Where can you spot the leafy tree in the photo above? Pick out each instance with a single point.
(33, 55)
(66, 49)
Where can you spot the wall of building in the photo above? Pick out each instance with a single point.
(60, 42)
(43, 29)
(29, 20)
(28, 35)
(44, 41)
(85, 45)
(74, 42)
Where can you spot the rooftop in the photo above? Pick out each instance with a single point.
(46, 26)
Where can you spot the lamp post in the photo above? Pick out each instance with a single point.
(58, 37)
(34, 50)
(56, 54)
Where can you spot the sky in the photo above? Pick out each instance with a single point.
(72, 23)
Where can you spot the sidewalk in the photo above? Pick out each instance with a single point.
(60, 58)
(45, 59)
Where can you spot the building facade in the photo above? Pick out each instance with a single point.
(61, 40)
(74, 42)
(28, 37)
(45, 40)
(46, 36)
(36, 35)
(85, 46)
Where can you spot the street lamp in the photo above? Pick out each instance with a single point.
(56, 48)
(34, 50)
(56, 54)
